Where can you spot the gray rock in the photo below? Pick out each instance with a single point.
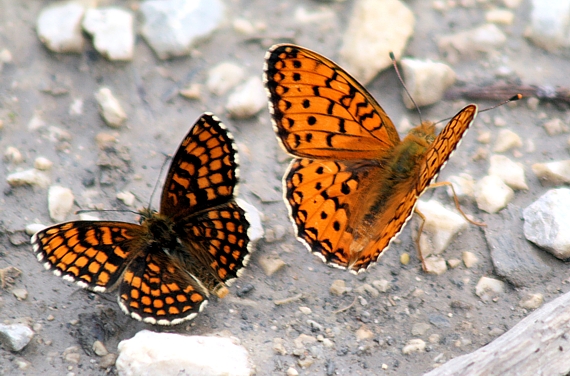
(375, 28)
(515, 259)
(59, 27)
(113, 33)
(171, 27)
(15, 337)
(547, 221)
(550, 23)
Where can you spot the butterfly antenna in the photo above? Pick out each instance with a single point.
(167, 158)
(515, 97)
(393, 58)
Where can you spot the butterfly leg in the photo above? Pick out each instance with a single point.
(456, 200)
(420, 229)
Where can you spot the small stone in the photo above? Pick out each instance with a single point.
(224, 77)
(107, 361)
(113, 32)
(338, 287)
(439, 228)
(492, 194)
(328, 343)
(426, 81)
(484, 137)
(279, 346)
(500, 16)
(99, 348)
(271, 265)
(439, 321)
(243, 26)
(546, 222)
(531, 301)
(362, 53)
(22, 364)
(304, 339)
(489, 288)
(463, 185)
(435, 265)
(549, 24)
(367, 289)
(76, 107)
(60, 202)
(453, 263)
(381, 285)
(511, 173)
(468, 43)
(420, 328)
(28, 177)
(172, 352)
(20, 293)
(555, 127)
(50, 318)
(59, 27)
(405, 258)
(105, 140)
(507, 140)
(72, 358)
(42, 164)
(363, 333)
(434, 338)
(172, 27)
(292, 372)
(552, 173)
(305, 362)
(305, 310)
(127, 197)
(469, 259)
(499, 121)
(495, 332)
(13, 155)
(512, 4)
(192, 91)
(110, 108)
(15, 337)
(247, 99)
(414, 345)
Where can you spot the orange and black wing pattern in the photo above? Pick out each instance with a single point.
(320, 111)
(93, 254)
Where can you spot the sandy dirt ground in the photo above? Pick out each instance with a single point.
(65, 316)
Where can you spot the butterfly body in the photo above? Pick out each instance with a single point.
(165, 267)
(353, 184)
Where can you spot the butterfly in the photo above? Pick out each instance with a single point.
(353, 184)
(166, 266)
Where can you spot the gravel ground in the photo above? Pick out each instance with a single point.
(360, 332)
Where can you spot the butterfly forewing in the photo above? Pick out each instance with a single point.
(203, 172)
(318, 107)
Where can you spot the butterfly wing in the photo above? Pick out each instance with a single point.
(204, 171)
(91, 253)
(444, 145)
(158, 290)
(320, 111)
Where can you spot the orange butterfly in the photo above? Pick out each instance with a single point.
(353, 184)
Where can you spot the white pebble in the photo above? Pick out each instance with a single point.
(510, 172)
(43, 164)
(28, 177)
(441, 224)
(552, 173)
(500, 16)
(224, 77)
(60, 202)
(13, 155)
(127, 197)
(506, 140)
(414, 345)
(435, 265)
(532, 301)
(555, 127)
(305, 310)
(489, 288)
(492, 194)
(426, 81)
(247, 99)
(110, 108)
(32, 228)
(469, 259)
(463, 185)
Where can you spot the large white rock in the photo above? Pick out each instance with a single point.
(426, 81)
(59, 27)
(550, 24)
(547, 220)
(149, 353)
(375, 28)
(15, 337)
(112, 30)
